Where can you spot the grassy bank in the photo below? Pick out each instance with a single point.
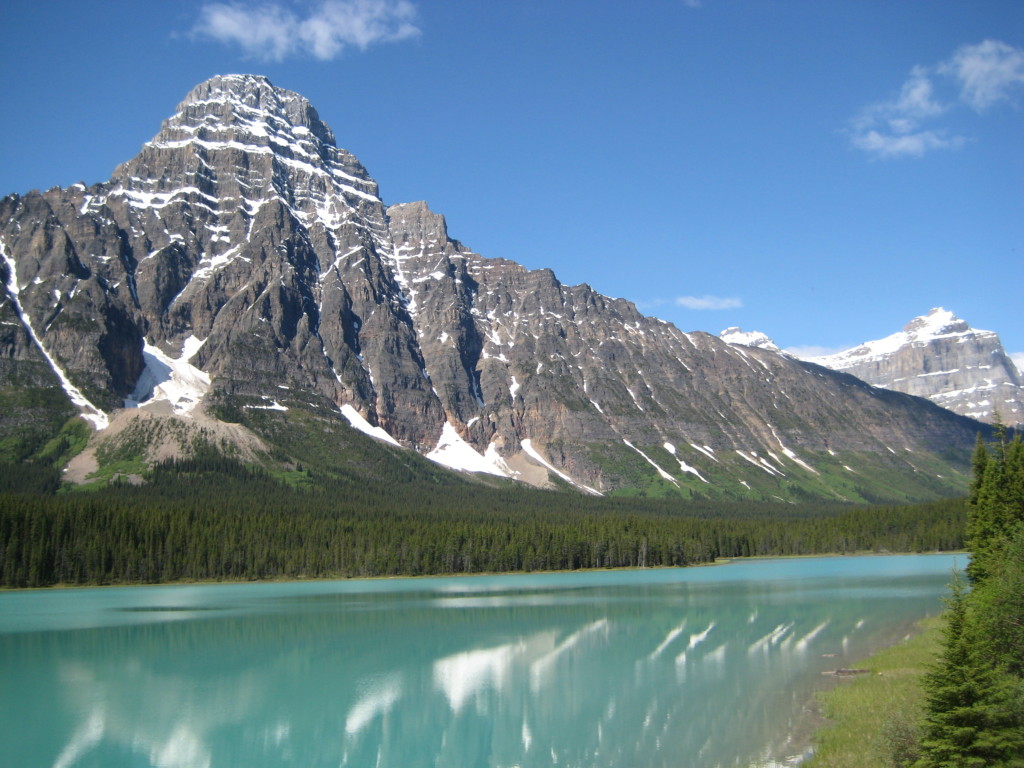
(872, 716)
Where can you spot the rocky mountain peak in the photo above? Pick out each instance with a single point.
(234, 97)
(243, 266)
(736, 335)
(941, 357)
(237, 142)
(938, 322)
(415, 222)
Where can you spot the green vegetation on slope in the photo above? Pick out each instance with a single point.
(211, 517)
(852, 477)
(30, 413)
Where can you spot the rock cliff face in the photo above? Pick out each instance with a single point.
(242, 261)
(939, 356)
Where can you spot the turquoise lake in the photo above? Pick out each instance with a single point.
(690, 668)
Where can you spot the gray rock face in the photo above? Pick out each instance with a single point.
(940, 357)
(243, 241)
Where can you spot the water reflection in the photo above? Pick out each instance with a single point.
(643, 673)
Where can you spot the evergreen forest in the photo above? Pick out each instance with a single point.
(211, 517)
(974, 710)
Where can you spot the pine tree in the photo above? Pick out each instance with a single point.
(979, 460)
(973, 707)
(975, 693)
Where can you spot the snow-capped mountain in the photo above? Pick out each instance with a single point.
(244, 268)
(757, 339)
(939, 356)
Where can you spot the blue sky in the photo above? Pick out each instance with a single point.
(819, 171)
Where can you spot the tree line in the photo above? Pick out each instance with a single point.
(974, 711)
(213, 518)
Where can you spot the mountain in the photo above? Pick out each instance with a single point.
(240, 283)
(757, 339)
(940, 357)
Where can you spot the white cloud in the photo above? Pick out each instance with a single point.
(264, 32)
(708, 302)
(886, 145)
(988, 73)
(273, 32)
(917, 98)
(976, 76)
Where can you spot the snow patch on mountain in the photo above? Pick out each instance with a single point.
(92, 414)
(682, 464)
(533, 454)
(170, 380)
(651, 461)
(790, 454)
(356, 421)
(455, 453)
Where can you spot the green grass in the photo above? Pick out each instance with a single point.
(872, 715)
(68, 443)
(102, 477)
(852, 477)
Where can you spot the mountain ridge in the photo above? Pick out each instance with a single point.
(243, 264)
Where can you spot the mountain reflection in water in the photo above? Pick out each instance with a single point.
(693, 667)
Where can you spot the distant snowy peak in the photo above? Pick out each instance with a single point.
(939, 323)
(736, 335)
(939, 356)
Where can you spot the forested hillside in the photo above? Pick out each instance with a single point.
(213, 518)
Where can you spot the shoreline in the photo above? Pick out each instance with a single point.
(879, 674)
(442, 575)
(390, 577)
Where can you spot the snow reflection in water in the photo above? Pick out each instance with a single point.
(698, 667)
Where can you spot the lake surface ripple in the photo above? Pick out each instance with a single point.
(698, 667)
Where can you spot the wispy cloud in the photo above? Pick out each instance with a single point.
(886, 144)
(708, 302)
(988, 73)
(273, 32)
(975, 76)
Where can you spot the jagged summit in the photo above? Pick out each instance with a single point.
(416, 223)
(242, 267)
(250, 96)
(736, 335)
(939, 356)
(938, 322)
(237, 141)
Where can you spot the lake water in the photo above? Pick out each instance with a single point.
(695, 667)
